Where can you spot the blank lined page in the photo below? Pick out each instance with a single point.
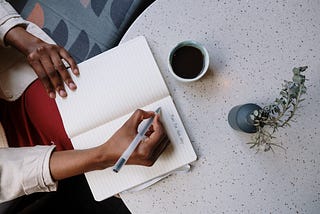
(111, 85)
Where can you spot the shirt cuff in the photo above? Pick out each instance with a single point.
(9, 18)
(38, 178)
(8, 25)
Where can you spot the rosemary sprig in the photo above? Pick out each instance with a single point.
(279, 113)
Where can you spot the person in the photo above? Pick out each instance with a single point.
(36, 153)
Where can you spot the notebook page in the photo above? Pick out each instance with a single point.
(111, 85)
(106, 183)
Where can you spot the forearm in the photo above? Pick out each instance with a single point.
(64, 164)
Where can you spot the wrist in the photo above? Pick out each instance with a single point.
(104, 157)
(22, 40)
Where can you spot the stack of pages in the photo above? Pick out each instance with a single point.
(111, 86)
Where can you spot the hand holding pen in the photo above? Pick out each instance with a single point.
(64, 164)
(147, 150)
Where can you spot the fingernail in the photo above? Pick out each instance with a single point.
(76, 71)
(72, 86)
(62, 93)
(52, 95)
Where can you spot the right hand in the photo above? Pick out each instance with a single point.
(64, 164)
(149, 149)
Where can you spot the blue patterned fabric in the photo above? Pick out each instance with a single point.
(84, 27)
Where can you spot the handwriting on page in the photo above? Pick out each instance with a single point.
(177, 128)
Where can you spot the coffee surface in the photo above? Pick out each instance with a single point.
(187, 62)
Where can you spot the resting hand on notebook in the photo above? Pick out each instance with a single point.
(69, 163)
(45, 59)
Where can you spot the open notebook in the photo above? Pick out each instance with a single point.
(111, 87)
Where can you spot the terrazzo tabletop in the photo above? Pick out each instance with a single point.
(253, 47)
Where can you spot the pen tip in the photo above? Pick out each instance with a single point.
(158, 110)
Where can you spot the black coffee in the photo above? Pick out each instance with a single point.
(187, 62)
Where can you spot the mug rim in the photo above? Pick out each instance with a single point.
(194, 44)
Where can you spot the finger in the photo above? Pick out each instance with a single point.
(157, 128)
(152, 142)
(40, 71)
(59, 66)
(149, 132)
(157, 151)
(162, 146)
(138, 116)
(65, 55)
(53, 75)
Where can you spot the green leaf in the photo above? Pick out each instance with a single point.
(299, 79)
(296, 70)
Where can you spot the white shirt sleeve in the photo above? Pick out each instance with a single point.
(9, 18)
(24, 171)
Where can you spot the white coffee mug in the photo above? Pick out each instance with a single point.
(188, 61)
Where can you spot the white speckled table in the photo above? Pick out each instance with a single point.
(253, 46)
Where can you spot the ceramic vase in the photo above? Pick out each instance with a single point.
(239, 117)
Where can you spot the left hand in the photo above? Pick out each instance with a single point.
(45, 59)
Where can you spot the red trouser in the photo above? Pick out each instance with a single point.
(33, 119)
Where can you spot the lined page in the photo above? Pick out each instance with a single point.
(111, 85)
(106, 183)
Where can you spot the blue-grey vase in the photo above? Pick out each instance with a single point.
(239, 117)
